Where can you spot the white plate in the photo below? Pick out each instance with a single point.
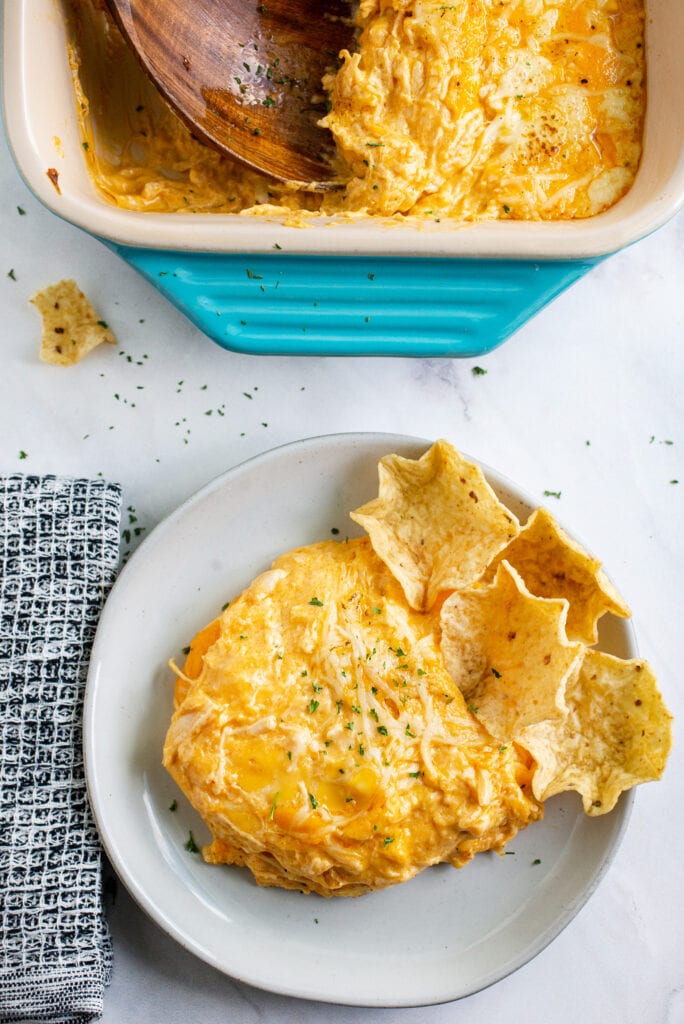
(441, 936)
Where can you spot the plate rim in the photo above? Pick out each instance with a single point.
(126, 874)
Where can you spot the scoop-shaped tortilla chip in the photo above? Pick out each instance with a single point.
(71, 326)
(616, 734)
(436, 522)
(552, 564)
(508, 653)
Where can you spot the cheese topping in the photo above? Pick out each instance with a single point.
(323, 741)
(477, 109)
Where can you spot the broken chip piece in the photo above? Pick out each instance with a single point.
(507, 652)
(617, 733)
(552, 564)
(436, 522)
(71, 326)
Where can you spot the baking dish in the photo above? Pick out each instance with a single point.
(254, 284)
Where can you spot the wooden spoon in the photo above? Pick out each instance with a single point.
(246, 76)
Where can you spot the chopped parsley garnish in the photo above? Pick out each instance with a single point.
(313, 706)
(316, 602)
(387, 840)
(478, 371)
(373, 713)
(382, 729)
(473, 709)
(23, 454)
(173, 805)
(314, 801)
(497, 675)
(408, 732)
(362, 749)
(552, 494)
(415, 775)
(536, 860)
(289, 755)
(502, 748)
(191, 846)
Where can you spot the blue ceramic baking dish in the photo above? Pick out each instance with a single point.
(253, 284)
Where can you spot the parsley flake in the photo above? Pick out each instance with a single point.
(316, 602)
(191, 846)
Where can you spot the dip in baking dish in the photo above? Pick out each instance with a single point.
(472, 110)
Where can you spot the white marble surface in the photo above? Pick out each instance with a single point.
(603, 364)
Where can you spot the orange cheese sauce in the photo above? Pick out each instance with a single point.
(472, 110)
(322, 740)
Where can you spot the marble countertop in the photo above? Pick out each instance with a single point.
(585, 400)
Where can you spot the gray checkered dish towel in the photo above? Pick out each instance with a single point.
(59, 543)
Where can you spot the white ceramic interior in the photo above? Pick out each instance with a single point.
(40, 109)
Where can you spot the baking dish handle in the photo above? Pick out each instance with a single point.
(352, 305)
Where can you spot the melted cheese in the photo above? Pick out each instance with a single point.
(324, 743)
(477, 109)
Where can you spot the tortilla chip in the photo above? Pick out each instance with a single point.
(71, 327)
(508, 653)
(552, 564)
(436, 522)
(617, 733)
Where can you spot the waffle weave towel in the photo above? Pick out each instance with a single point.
(59, 543)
